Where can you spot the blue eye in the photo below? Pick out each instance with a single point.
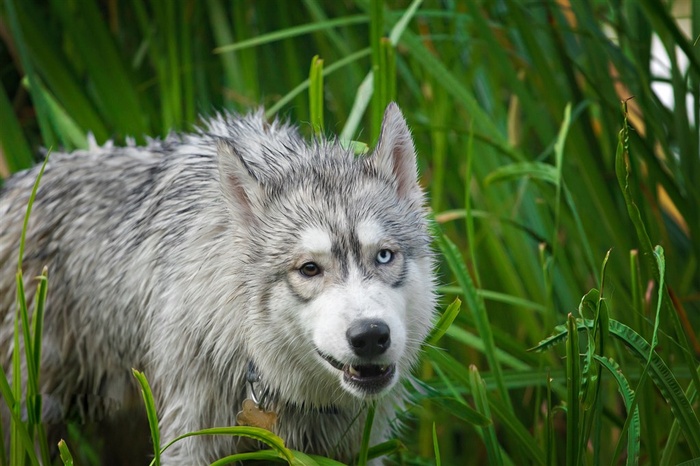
(384, 256)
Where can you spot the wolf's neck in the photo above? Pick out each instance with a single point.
(330, 430)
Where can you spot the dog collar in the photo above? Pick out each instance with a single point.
(257, 407)
(253, 413)
(255, 391)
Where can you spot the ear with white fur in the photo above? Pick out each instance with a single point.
(241, 189)
(395, 155)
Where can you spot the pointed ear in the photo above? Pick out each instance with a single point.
(241, 189)
(395, 155)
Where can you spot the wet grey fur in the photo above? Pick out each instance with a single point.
(177, 259)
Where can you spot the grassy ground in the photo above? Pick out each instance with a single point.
(565, 192)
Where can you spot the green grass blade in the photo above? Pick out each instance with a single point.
(52, 64)
(384, 449)
(221, 30)
(20, 441)
(33, 400)
(316, 95)
(436, 447)
(313, 460)
(461, 411)
(559, 145)
(31, 332)
(171, 83)
(658, 371)
(305, 84)
(573, 388)
(366, 88)
(319, 13)
(622, 169)
(65, 453)
(675, 431)
(536, 170)
(473, 341)
(376, 32)
(478, 389)
(517, 432)
(22, 326)
(665, 381)
(68, 133)
(592, 372)
(255, 433)
(623, 386)
(644, 390)
(362, 99)
(151, 414)
(468, 210)
(444, 322)
(585, 242)
(19, 32)
(498, 297)
(476, 305)
(401, 25)
(559, 335)
(693, 462)
(36, 332)
(187, 65)
(456, 89)
(3, 453)
(16, 426)
(364, 445)
(658, 12)
(302, 459)
(37, 324)
(383, 59)
(29, 211)
(110, 78)
(239, 458)
(14, 146)
(549, 443)
(293, 32)
(661, 267)
(385, 75)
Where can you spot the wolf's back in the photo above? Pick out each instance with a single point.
(102, 222)
(118, 228)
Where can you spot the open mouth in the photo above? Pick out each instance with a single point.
(370, 378)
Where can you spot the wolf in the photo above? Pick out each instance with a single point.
(255, 277)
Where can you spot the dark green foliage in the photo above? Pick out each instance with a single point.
(535, 172)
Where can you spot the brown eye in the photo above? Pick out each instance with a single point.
(310, 269)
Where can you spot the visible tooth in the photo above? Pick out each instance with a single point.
(352, 371)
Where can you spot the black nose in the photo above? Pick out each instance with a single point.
(369, 337)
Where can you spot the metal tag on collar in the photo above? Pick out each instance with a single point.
(252, 377)
(251, 413)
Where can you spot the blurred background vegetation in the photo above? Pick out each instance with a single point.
(516, 109)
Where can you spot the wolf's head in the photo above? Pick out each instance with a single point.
(339, 266)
